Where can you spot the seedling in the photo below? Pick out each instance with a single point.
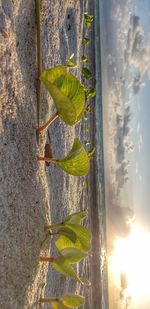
(74, 239)
(85, 59)
(90, 93)
(86, 40)
(64, 301)
(68, 95)
(75, 163)
(91, 152)
(63, 266)
(88, 20)
(70, 62)
(86, 73)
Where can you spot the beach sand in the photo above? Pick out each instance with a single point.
(32, 194)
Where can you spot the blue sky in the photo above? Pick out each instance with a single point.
(141, 117)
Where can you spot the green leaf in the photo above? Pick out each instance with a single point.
(68, 233)
(88, 20)
(86, 72)
(88, 109)
(75, 217)
(72, 255)
(86, 40)
(85, 59)
(91, 93)
(61, 265)
(63, 242)
(91, 151)
(67, 92)
(83, 234)
(58, 305)
(83, 241)
(85, 184)
(77, 161)
(72, 300)
(70, 62)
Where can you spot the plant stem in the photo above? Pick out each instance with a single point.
(53, 226)
(40, 129)
(48, 299)
(46, 259)
(47, 159)
(37, 8)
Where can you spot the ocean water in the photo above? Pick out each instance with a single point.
(100, 159)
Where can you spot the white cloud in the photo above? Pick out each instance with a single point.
(137, 51)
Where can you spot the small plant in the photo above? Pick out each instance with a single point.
(72, 235)
(85, 59)
(62, 265)
(75, 163)
(86, 73)
(68, 95)
(64, 301)
(88, 20)
(86, 40)
(70, 62)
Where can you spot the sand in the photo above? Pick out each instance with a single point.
(32, 195)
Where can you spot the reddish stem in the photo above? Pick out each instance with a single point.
(48, 299)
(46, 259)
(46, 159)
(40, 129)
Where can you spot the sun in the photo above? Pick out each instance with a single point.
(131, 257)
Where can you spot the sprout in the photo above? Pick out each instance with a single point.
(86, 40)
(86, 72)
(63, 266)
(72, 235)
(70, 62)
(85, 59)
(75, 163)
(64, 301)
(68, 95)
(88, 20)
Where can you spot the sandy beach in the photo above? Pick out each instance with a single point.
(32, 194)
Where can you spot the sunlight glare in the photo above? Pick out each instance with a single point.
(132, 256)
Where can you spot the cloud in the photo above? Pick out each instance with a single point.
(137, 50)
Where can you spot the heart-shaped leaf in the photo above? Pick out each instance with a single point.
(91, 93)
(85, 59)
(77, 161)
(61, 265)
(83, 241)
(83, 234)
(75, 217)
(86, 40)
(88, 20)
(86, 72)
(68, 233)
(67, 92)
(58, 305)
(70, 62)
(72, 300)
(73, 255)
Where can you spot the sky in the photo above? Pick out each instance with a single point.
(125, 44)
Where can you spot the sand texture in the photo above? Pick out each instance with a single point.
(30, 194)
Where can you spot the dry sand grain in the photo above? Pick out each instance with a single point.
(30, 194)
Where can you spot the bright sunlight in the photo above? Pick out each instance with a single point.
(131, 257)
